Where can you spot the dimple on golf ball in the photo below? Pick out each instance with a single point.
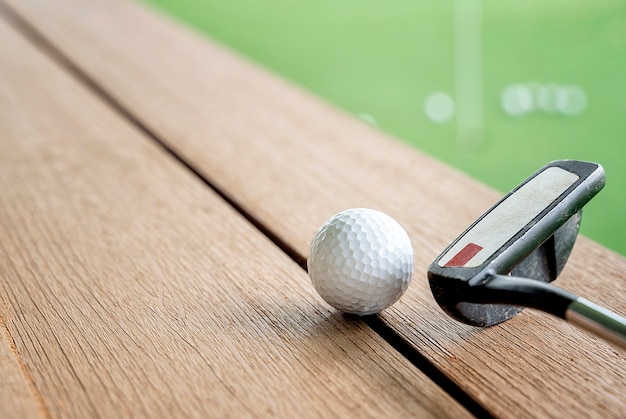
(360, 261)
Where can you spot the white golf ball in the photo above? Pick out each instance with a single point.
(361, 261)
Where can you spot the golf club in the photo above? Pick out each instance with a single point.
(505, 260)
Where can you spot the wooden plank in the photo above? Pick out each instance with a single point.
(292, 161)
(129, 288)
(16, 398)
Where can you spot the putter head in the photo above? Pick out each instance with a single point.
(528, 233)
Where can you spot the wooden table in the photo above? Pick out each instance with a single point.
(157, 197)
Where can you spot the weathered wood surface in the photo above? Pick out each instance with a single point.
(291, 161)
(16, 397)
(129, 288)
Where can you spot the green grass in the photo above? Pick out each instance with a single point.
(384, 58)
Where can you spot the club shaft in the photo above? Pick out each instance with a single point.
(597, 320)
(525, 292)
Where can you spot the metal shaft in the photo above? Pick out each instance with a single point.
(597, 320)
(526, 292)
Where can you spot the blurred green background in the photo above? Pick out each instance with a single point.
(494, 88)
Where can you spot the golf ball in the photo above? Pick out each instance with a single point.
(360, 261)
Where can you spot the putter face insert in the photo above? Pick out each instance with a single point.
(529, 233)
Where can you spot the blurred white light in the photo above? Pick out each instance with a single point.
(517, 99)
(547, 96)
(439, 107)
(571, 100)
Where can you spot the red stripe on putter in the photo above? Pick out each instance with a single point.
(465, 255)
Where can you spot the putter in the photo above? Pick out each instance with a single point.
(506, 259)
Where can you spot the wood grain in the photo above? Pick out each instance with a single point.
(292, 161)
(130, 289)
(16, 397)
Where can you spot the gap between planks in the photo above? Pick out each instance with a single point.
(92, 408)
(533, 365)
(374, 322)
